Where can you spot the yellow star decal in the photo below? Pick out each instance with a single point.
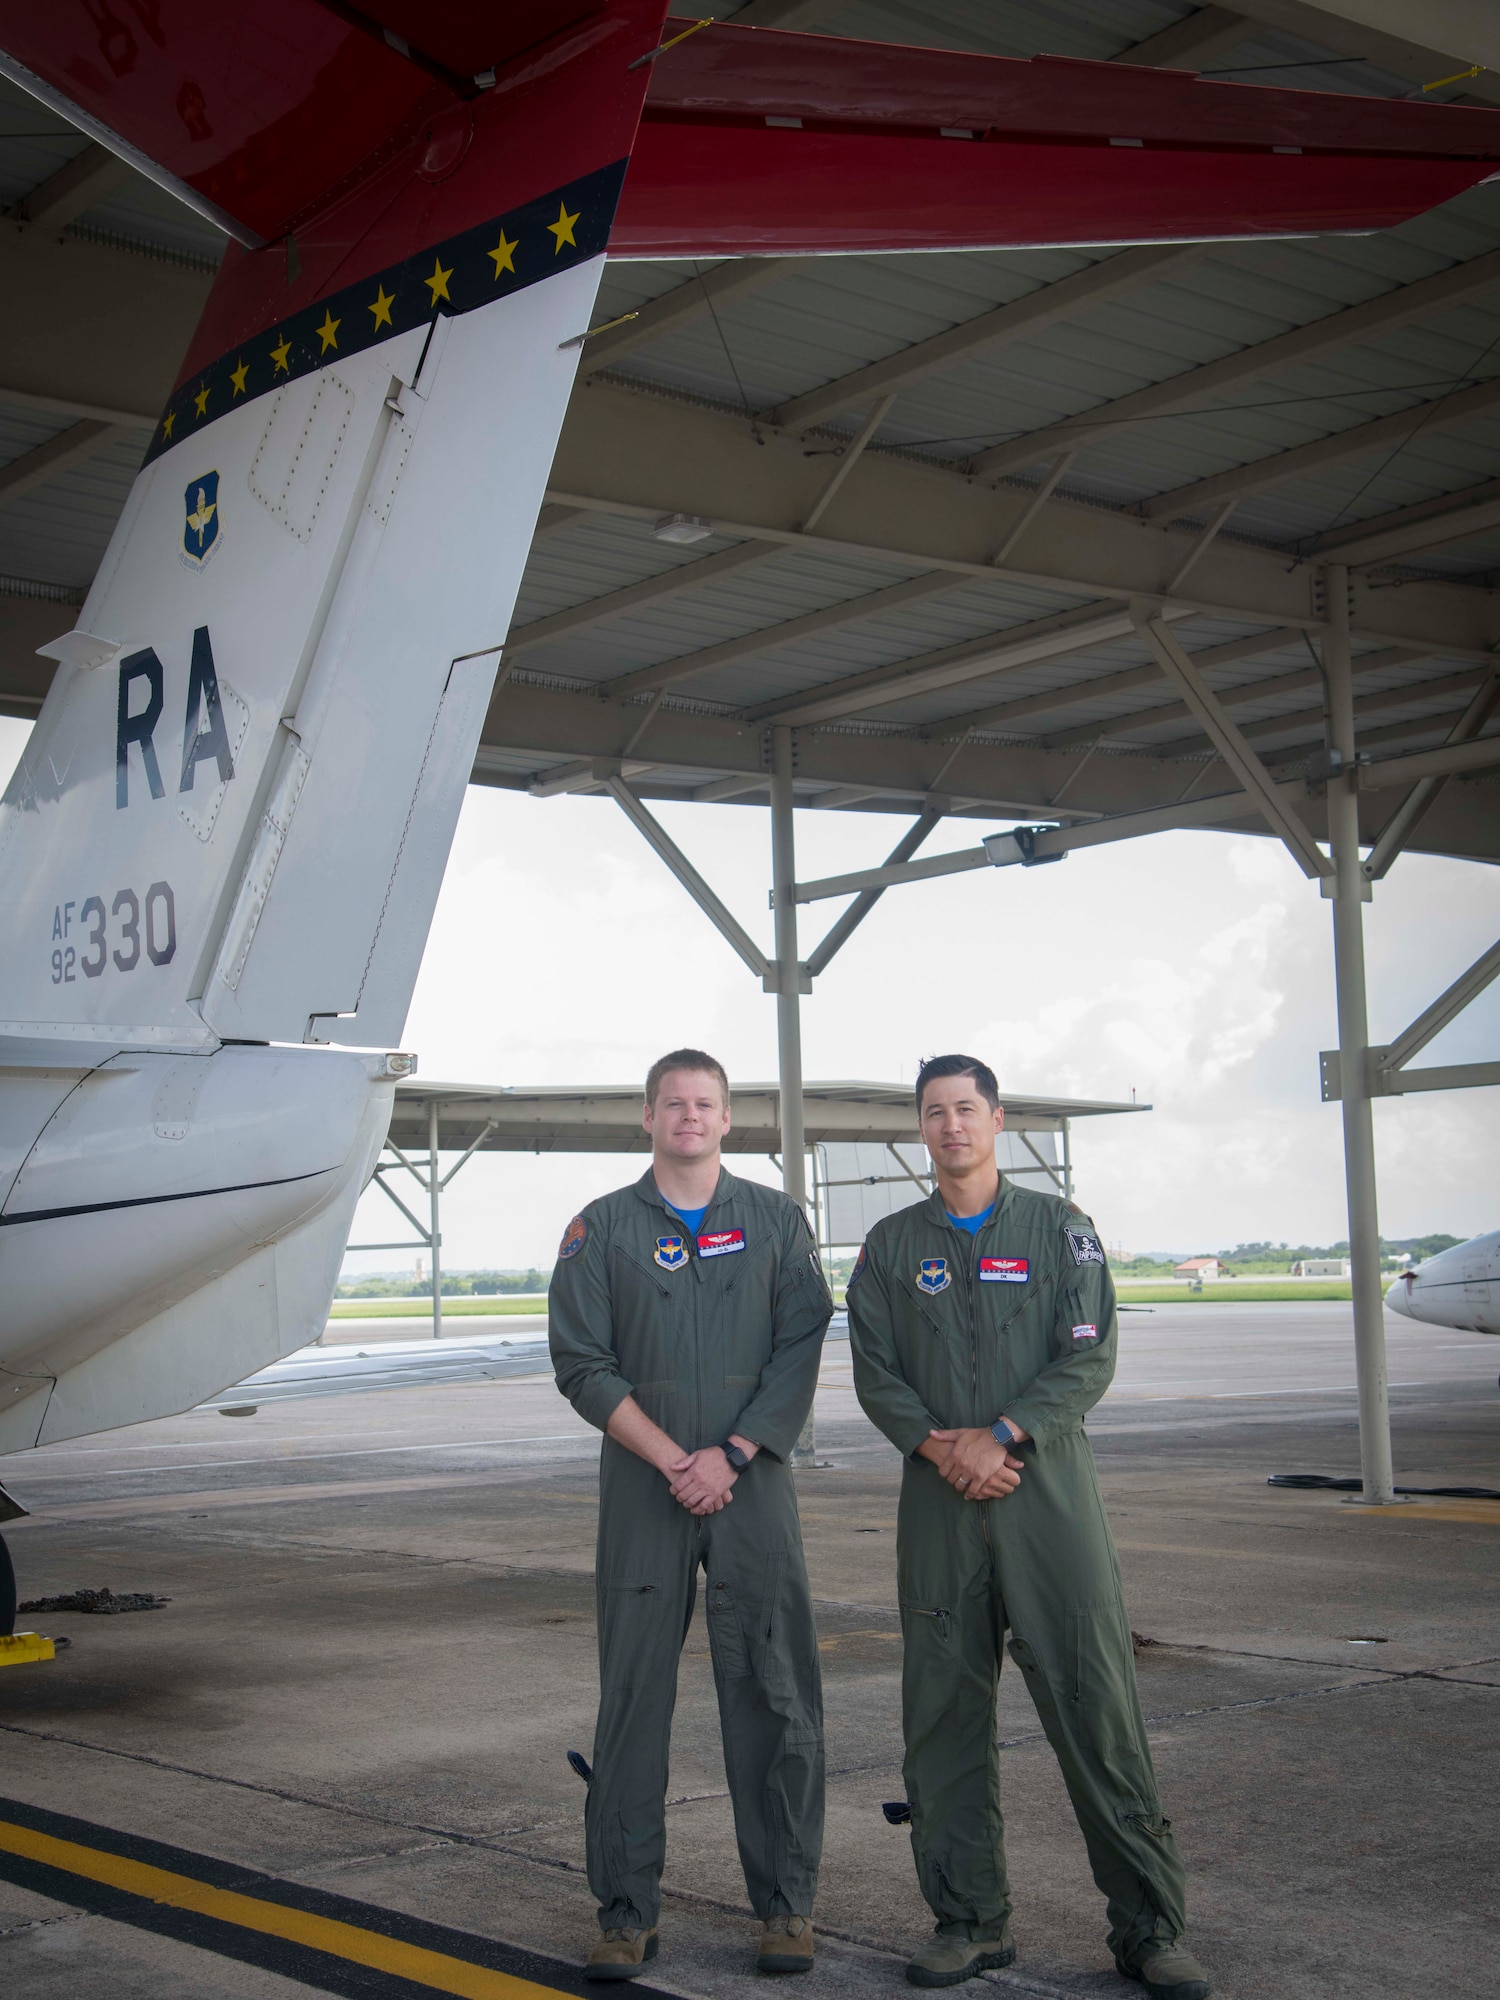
(237, 377)
(384, 300)
(328, 332)
(502, 254)
(279, 355)
(562, 229)
(200, 401)
(437, 284)
(167, 422)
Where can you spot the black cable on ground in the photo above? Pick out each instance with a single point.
(1324, 1484)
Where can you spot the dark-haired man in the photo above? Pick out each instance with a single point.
(983, 1329)
(686, 1318)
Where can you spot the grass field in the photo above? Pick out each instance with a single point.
(457, 1308)
(1238, 1291)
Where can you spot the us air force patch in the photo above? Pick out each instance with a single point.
(1085, 1248)
(574, 1238)
(669, 1253)
(934, 1275)
(200, 528)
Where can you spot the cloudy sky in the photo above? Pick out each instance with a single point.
(1193, 968)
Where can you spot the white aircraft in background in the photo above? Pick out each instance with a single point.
(221, 850)
(1458, 1287)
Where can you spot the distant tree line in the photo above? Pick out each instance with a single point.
(1277, 1259)
(456, 1285)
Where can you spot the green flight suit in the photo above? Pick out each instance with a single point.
(711, 1335)
(953, 1331)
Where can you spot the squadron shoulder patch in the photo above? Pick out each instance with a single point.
(1085, 1248)
(859, 1265)
(669, 1253)
(934, 1275)
(574, 1237)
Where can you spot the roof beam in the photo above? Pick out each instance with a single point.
(1020, 319)
(85, 179)
(114, 329)
(1192, 41)
(995, 652)
(1403, 822)
(639, 456)
(1000, 715)
(1450, 761)
(1416, 43)
(1232, 371)
(653, 590)
(1381, 702)
(46, 461)
(1121, 726)
(1204, 495)
(768, 638)
(1452, 517)
(655, 834)
(1235, 751)
(735, 279)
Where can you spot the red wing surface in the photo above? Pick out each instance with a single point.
(761, 143)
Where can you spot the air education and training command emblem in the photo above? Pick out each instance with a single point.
(934, 1275)
(669, 1253)
(200, 528)
(574, 1238)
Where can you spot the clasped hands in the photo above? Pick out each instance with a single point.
(702, 1481)
(973, 1463)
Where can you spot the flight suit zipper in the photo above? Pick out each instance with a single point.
(968, 1265)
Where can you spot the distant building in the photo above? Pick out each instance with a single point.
(1199, 1270)
(1321, 1267)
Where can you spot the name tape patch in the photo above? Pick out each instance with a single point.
(1004, 1270)
(1085, 1248)
(1085, 1333)
(721, 1242)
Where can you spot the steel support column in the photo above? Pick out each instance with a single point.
(788, 1002)
(435, 1197)
(1349, 891)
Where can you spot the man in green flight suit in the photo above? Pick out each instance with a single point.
(983, 1328)
(686, 1318)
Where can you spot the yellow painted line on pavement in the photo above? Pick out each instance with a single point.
(347, 1941)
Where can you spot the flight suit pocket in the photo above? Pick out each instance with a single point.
(630, 1617)
(1100, 1684)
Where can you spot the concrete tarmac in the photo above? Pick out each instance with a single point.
(380, 1645)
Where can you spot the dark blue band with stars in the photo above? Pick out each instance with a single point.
(520, 248)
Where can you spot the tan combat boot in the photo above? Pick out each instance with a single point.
(1167, 1971)
(786, 1945)
(948, 1958)
(620, 1953)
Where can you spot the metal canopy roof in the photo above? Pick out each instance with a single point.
(608, 1120)
(939, 491)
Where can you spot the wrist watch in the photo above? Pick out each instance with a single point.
(1002, 1433)
(738, 1459)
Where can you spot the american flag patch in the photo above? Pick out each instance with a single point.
(1085, 1333)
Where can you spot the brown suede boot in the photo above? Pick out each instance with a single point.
(786, 1945)
(620, 1953)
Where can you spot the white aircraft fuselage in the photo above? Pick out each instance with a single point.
(1458, 1287)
